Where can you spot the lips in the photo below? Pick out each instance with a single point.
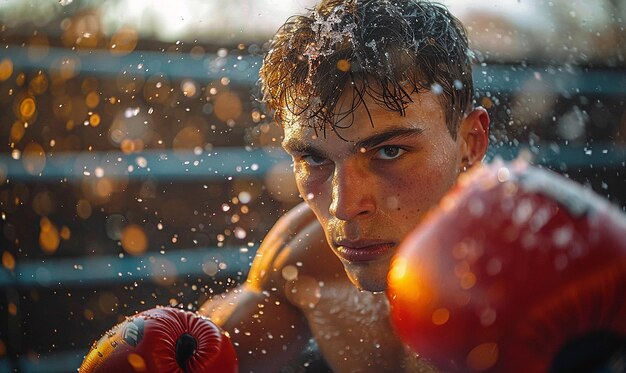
(364, 251)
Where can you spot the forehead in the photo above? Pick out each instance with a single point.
(370, 118)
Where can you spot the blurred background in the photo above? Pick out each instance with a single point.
(138, 169)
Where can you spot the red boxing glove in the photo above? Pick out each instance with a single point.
(163, 340)
(517, 270)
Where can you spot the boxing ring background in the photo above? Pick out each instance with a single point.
(159, 190)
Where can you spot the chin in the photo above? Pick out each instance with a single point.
(368, 276)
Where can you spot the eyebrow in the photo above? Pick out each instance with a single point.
(392, 134)
(297, 146)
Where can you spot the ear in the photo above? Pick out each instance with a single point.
(474, 137)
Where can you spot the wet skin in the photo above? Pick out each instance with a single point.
(362, 197)
(370, 184)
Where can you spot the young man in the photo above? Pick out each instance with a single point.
(375, 99)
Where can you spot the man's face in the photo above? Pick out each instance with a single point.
(370, 191)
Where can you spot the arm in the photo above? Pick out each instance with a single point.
(267, 330)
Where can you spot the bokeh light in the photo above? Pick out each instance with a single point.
(83, 209)
(17, 131)
(49, 238)
(281, 183)
(137, 362)
(188, 138)
(39, 83)
(33, 158)
(6, 69)
(227, 106)
(92, 99)
(44, 203)
(134, 239)
(123, 41)
(8, 260)
(82, 31)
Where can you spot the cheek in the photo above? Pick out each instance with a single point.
(313, 190)
(421, 187)
(308, 183)
(301, 177)
(443, 165)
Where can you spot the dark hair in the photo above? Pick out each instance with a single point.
(386, 49)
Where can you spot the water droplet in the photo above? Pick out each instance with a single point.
(131, 112)
(436, 89)
(141, 162)
(289, 273)
(244, 197)
(240, 233)
(562, 236)
(503, 174)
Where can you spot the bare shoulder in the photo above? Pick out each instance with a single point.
(258, 310)
(295, 244)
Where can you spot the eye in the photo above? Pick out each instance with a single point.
(389, 152)
(314, 160)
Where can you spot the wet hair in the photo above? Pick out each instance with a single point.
(383, 49)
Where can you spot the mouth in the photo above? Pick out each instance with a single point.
(364, 251)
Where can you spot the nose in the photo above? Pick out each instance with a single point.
(353, 192)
